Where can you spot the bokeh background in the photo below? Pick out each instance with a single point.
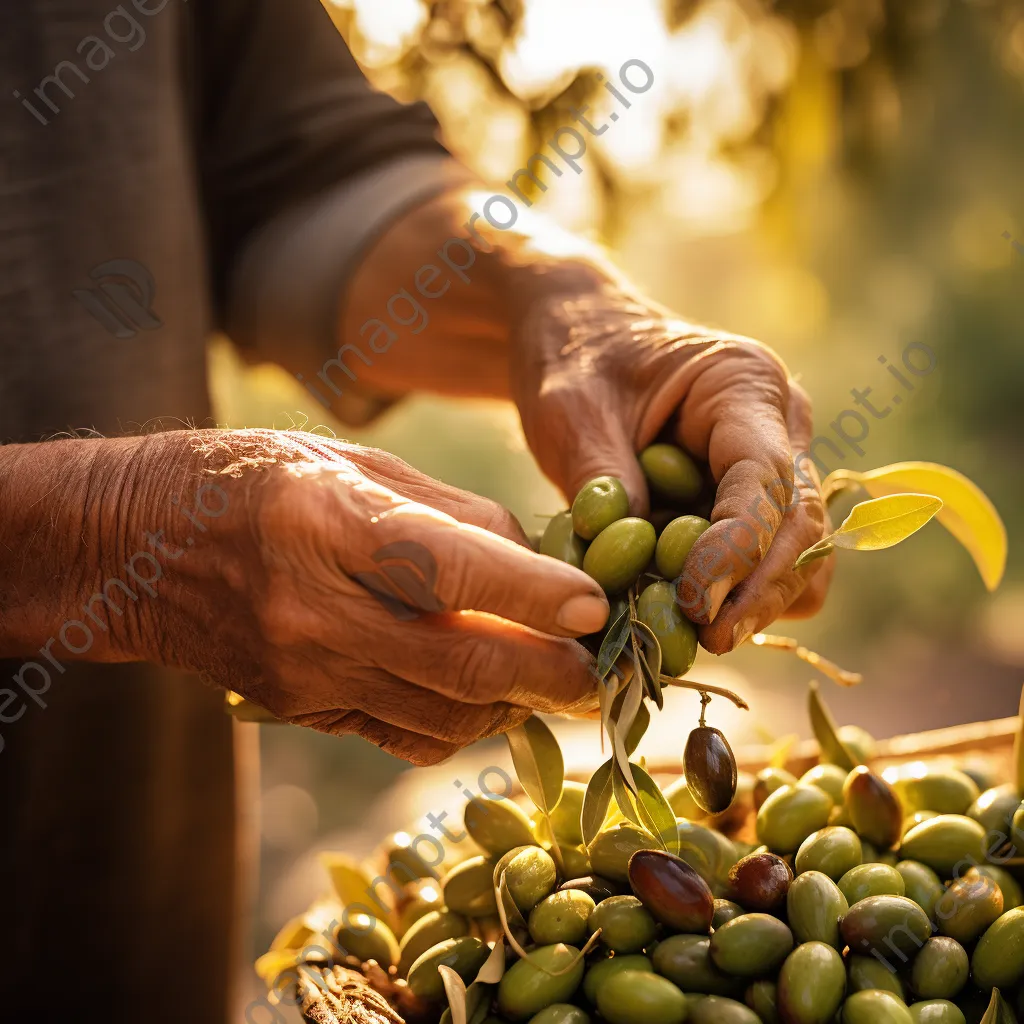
(838, 179)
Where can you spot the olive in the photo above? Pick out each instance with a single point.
(735, 816)
(706, 850)
(814, 907)
(874, 807)
(686, 961)
(897, 922)
(561, 542)
(922, 788)
(710, 767)
(790, 815)
(760, 881)
(561, 917)
(594, 886)
(671, 472)
(611, 849)
(833, 850)
(530, 875)
(464, 955)
(829, 777)
(751, 945)
(619, 553)
(671, 890)
(840, 816)
(865, 972)
(600, 972)
(915, 819)
(725, 910)
(530, 985)
(366, 938)
(403, 860)
(575, 861)
(763, 998)
(994, 808)
(598, 504)
(560, 1013)
(858, 742)
(497, 825)
(811, 984)
(873, 1006)
(970, 904)
(1013, 896)
(676, 542)
(680, 799)
(944, 842)
(767, 781)
(921, 884)
(998, 959)
(871, 880)
(469, 888)
(565, 818)
(427, 932)
(637, 997)
(418, 900)
(937, 1011)
(659, 610)
(625, 924)
(941, 969)
(719, 1010)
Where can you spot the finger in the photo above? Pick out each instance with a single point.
(734, 416)
(810, 600)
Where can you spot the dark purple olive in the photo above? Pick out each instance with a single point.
(760, 882)
(672, 891)
(596, 887)
(710, 769)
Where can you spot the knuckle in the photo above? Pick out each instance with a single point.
(478, 669)
(501, 521)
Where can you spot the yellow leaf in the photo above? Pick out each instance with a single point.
(883, 522)
(348, 880)
(966, 511)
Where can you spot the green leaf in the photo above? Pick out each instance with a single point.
(455, 990)
(494, 966)
(623, 798)
(825, 732)
(479, 996)
(650, 660)
(621, 757)
(822, 549)
(630, 706)
(596, 802)
(538, 762)
(614, 643)
(637, 729)
(998, 1012)
(882, 522)
(648, 808)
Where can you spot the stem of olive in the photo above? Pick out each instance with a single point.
(705, 700)
(719, 691)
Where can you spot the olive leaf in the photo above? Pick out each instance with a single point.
(1018, 746)
(650, 659)
(455, 990)
(825, 731)
(501, 887)
(606, 690)
(493, 969)
(538, 762)
(513, 915)
(648, 808)
(998, 1012)
(348, 880)
(822, 549)
(614, 643)
(622, 764)
(479, 997)
(623, 798)
(966, 511)
(596, 802)
(637, 729)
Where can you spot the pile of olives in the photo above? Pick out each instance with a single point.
(599, 536)
(869, 898)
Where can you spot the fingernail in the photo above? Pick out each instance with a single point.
(743, 631)
(717, 593)
(585, 614)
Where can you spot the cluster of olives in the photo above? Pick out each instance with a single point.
(599, 536)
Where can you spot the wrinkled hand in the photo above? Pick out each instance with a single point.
(599, 377)
(346, 591)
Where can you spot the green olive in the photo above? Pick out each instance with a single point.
(790, 815)
(612, 847)
(680, 799)
(719, 1010)
(427, 932)
(768, 780)
(970, 904)
(937, 1011)
(686, 961)
(637, 997)
(676, 542)
(814, 907)
(671, 472)
(710, 765)
(599, 503)
(498, 825)
(751, 945)
(619, 553)
(601, 971)
(915, 819)
(897, 922)
(829, 777)
(763, 998)
(366, 938)
(659, 610)
(994, 808)
(706, 850)
(921, 884)
(561, 917)
(997, 961)
(811, 984)
(465, 955)
(529, 986)
(874, 1006)
(469, 888)
(596, 887)
(858, 742)
(725, 910)
(833, 850)
(418, 900)
(1013, 895)
(874, 807)
(871, 880)
(941, 969)
(626, 925)
(864, 973)
(403, 861)
(565, 818)
(944, 842)
(560, 1013)
(530, 875)
(561, 542)
(575, 861)
(944, 790)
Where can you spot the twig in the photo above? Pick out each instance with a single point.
(823, 665)
(702, 688)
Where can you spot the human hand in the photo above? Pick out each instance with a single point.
(598, 376)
